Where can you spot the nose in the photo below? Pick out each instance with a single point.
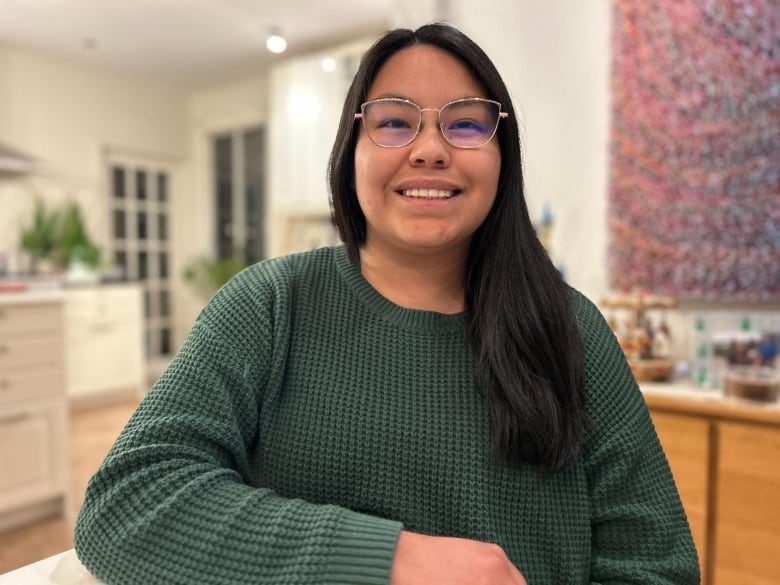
(430, 148)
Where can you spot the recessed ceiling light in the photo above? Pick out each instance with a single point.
(276, 43)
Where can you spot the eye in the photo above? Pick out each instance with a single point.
(398, 123)
(466, 124)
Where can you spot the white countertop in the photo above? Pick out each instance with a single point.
(38, 572)
(684, 389)
(33, 296)
(61, 569)
(681, 389)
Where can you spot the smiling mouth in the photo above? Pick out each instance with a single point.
(428, 193)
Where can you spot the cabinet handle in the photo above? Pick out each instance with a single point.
(4, 349)
(101, 328)
(5, 384)
(12, 419)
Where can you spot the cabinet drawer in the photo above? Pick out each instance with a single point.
(92, 329)
(103, 339)
(111, 360)
(30, 318)
(747, 535)
(102, 303)
(29, 350)
(23, 383)
(32, 453)
(686, 443)
(24, 451)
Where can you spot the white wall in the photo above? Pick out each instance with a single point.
(67, 115)
(209, 112)
(554, 57)
(305, 106)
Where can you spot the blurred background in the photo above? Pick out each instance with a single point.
(150, 149)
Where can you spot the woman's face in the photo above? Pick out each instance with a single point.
(396, 186)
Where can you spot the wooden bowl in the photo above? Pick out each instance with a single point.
(757, 384)
(651, 370)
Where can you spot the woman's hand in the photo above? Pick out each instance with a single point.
(435, 560)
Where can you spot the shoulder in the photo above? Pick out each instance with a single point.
(285, 271)
(602, 352)
(598, 338)
(612, 392)
(266, 290)
(279, 276)
(589, 317)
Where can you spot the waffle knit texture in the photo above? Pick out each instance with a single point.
(306, 420)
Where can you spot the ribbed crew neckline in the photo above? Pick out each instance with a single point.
(408, 318)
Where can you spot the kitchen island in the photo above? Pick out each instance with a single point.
(725, 456)
(33, 407)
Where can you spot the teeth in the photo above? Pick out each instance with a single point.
(427, 193)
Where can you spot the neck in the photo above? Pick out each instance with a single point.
(429, 282)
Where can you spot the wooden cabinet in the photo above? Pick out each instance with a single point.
(725, 457)
(686, 441)
(747, 534)
(33, 409)
(104, 342)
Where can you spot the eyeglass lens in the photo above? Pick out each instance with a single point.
(464, 124)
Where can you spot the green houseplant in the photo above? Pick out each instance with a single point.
(74, 244)
(59, 236)
(40, 237)
(207, 275)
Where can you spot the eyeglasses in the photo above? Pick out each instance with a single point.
(464, 123)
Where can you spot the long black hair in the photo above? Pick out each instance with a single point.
(518, 309)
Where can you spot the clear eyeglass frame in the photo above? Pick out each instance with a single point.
(362, 116)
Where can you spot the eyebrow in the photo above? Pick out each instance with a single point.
(407, 98)
(394, 96)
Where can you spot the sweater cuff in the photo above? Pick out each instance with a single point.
(362, 551)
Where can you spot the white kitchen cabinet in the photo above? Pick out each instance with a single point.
(104, 344)
(33, 408)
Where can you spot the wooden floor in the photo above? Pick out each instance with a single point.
(92, 432)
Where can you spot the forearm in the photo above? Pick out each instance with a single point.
(177, 499)
(202, 526)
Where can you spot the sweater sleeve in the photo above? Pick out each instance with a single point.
(173, 501)
(639, 530)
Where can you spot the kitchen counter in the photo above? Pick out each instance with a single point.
(60, 569)
(723, 452)
(32, 296)
(684, 398)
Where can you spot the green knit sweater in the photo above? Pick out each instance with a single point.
(307, 420)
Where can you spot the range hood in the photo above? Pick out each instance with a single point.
(14, 162)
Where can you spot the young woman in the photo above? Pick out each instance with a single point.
(427, 404)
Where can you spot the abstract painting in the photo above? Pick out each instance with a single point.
(694, 176)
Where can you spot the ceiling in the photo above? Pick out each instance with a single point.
(192, 43)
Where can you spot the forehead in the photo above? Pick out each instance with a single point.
(427, 75)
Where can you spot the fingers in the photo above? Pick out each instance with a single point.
(432, 560)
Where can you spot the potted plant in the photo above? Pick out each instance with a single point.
(40, 237)
(59, 239)
(207, 275)
(73, 242)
